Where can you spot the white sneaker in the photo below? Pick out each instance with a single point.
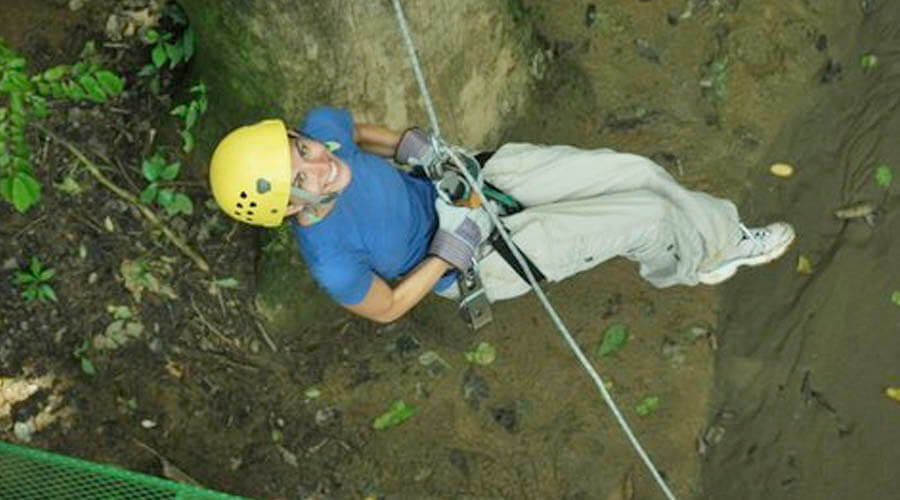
(757, 246)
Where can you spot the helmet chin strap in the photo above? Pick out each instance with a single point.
(312, 199)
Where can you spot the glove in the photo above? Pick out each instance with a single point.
(415, 148)
(460, 233)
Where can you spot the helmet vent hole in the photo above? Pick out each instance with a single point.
(249, 212)
(243, 194)
(240, 205)
(274, 210)
(252, 204)
(237, 212)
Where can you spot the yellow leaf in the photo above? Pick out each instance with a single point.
(893, 393)
(804, 266)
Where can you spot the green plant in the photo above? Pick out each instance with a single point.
(26, 98)
(86, 365)
(166, 49)
(160, 174)
(189, 113)
(35, 280)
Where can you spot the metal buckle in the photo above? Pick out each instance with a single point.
(473, 305)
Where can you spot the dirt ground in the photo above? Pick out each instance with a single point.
(788, 406)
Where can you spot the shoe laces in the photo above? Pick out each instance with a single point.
(755, 236)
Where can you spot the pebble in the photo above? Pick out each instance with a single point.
(148, 424)
(23, 431)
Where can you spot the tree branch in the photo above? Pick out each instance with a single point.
(127, 196)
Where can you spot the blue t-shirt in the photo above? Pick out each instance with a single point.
(381, 223)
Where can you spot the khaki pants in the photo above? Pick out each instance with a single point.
(588, 206)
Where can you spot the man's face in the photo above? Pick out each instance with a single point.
(316, 170)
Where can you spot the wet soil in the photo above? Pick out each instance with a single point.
(715, 91)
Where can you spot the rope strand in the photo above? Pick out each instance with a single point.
(585, 363)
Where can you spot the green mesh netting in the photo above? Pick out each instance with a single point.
(30, 474)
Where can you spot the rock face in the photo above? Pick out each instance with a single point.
(280, 57)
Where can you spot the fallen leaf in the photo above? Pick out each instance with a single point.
(614, 338)
(893, 393)
(647, 406)
(804, 266)
(483, 354)
(884, 176)
(398, 413)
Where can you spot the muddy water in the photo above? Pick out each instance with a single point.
(806, 357)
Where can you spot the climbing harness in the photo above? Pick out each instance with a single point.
(585, 363)
(454, 187)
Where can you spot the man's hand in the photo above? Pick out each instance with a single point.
(415, 148)
(462, 230)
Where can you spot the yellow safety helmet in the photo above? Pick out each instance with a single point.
(250, 173)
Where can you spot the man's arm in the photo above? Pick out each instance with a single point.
(385, 304)
(376, 139)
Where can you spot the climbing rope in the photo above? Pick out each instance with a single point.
(585, 363)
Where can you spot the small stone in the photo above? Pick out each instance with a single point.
(148, 424)
(23, 431)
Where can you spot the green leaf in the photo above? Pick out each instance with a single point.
(110, 82)
(483, 354)
(884, 176)
(73, 91)
(87, 367)
(6, 188)
(35, 266)
(188, 42)
(158, 55)
(180, 204)
(148, 70)
(57, 90)
(165, 196)
(92, 87)
(179, 111)
(614, 338)
(79, 69)
(226, 282)
(895, 297)
(14, 80)
(149, 193)
(46, 274)
(45, 291)
(20, 278)
(170, 171)
(55, 73)
(39, 106)
(16, 63)
(151, 36)
(175, 53)
(868, 61)
(30, 294)
(191, 117)
(153, 167)
(647, 406)
(188, 139)
(398, 413)
(25, 192)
